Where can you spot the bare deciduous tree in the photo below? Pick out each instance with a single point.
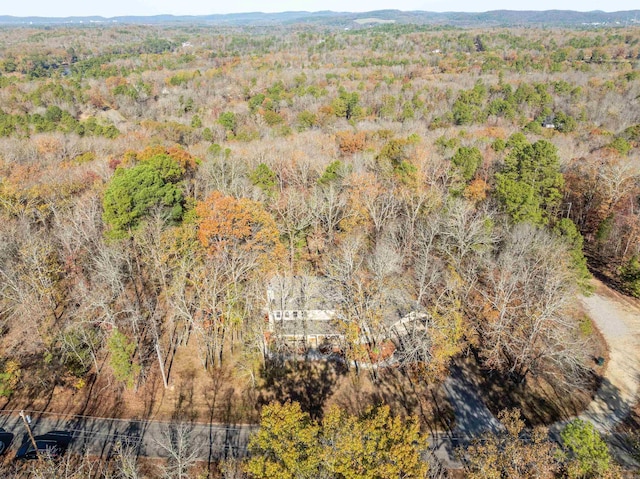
(330, 209)
(523, 301)
(182, 449)
(293, 215)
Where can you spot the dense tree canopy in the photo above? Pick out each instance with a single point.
(449, 187)
(375, 446)
(467, 160)
(289, 445)
(529, 185)
(134, 192)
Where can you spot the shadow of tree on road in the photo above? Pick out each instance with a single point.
(472, 417)
(540, 401)
(309, 383)
(610, 408)
(405, 396)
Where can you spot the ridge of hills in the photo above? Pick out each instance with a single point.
(346, 19)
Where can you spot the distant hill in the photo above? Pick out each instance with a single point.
(346, 19)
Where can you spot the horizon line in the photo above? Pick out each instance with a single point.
(315, 12)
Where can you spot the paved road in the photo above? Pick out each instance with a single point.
(616, 316)
(472, 415)
(99, 436)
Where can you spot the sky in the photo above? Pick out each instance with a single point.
(111, 8)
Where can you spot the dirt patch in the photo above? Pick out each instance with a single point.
(215, 395)
(236, 392)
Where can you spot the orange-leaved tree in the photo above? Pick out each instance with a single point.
(239, 232)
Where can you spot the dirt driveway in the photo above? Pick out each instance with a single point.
(618, 318)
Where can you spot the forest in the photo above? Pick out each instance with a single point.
(156, 182)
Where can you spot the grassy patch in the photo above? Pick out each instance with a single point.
(586, 327)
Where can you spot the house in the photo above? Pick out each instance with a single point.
(303, 313)
(300, 312)
(549, 122)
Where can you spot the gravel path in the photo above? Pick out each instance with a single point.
(618, 318)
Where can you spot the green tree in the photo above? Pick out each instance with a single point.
(256, 102)
(196, 122)
(530, 183)
(630, 274)
(347, 105)
(588, 454)
(467, 108)
(133, 192)
(567, 229)
(287, 445)
(334, 171)
(564, 123)
(122, 350)
(517, 141)
(499, 145)
(632, 133)
(394, 151)
(408, 112)
(306, 120)
(207, 134)
(467, 160)
(10, 65)
(228, 120)
(264, 178)
(621, 145)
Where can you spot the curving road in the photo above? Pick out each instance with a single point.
(618, 318)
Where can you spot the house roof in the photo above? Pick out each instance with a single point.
(300, 306)
(305, 327)
(299, 293)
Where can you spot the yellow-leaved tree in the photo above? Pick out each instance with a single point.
(377, 445)
(374, 446)
(287, 445)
